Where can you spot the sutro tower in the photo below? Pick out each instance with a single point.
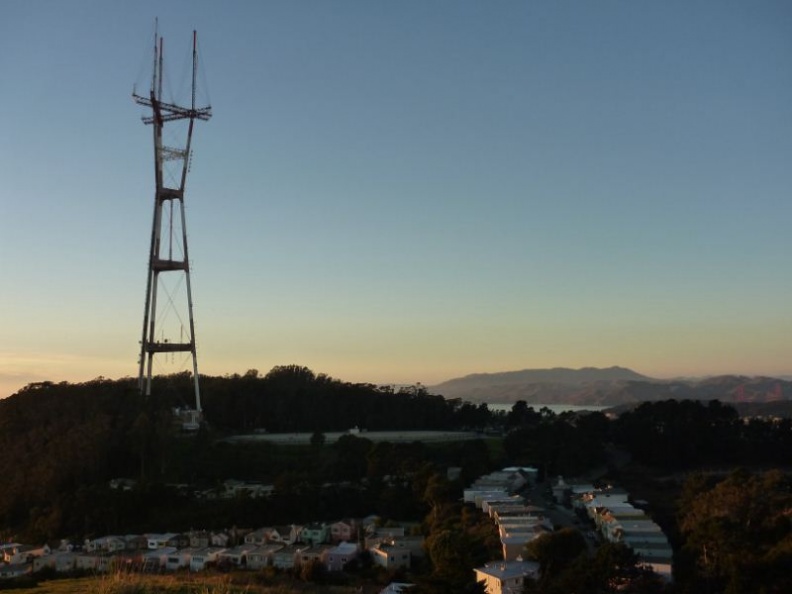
(168, 255)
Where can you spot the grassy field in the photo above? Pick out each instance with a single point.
(129, 583)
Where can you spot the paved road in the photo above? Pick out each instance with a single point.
(560, 516)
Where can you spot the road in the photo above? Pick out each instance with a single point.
(560, 516)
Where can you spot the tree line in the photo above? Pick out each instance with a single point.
(293, 398)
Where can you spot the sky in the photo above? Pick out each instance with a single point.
(411, 191)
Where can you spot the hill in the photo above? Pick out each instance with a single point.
(607, 387)
(563, 375)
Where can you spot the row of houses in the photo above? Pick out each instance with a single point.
(312, 534)
(286, 547)
(610, 510)
(168, 558)
(14, 553)
(618, 520)
(517, 522)
(495, 484)
(228, 489)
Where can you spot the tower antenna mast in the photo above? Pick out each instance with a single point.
(162, 261)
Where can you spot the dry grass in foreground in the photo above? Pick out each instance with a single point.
(131, 583)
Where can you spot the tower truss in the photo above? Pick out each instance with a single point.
(169, 334)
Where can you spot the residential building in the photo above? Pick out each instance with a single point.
(14, 570)
(506, 577)
(105, 544)
(99, 563)
(315, 533)
(61, 561)
(500, 498)
(390, 555)
(314, 553)
(179, 559)
(203, 556)
(136, 542)
(156, 559)
(477, 495)
(15, 553)
(287, 557)
(160, 541)
(257, 537)
(343, 531)
(341, 554)
(199, 539)
(396, 588)
(236, 556)
(286, 534)
(514, 544)
(261, 556)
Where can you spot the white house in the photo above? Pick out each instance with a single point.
(501, 512)
(261, 556)
(285, 534)
(234, 488)
(273, 534)
(219, 539)
(478, 495)
(159, 541)
(106, 544)
(500, 498)
(515, 524)
(257, 537)
(287, 557)
(9, 571)
(199, 539)
(314, 553)
(390, 555)
(93, 562)
(7, 547)
(343, 531)
(179, 559)
(16, 553)
(506, 577)
(341, 554)
(203, 556)
(513, 544)
(60, 561)
(236, 556)
(396, 588)
(157, 558)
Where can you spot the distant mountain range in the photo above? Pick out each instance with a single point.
(611, 386)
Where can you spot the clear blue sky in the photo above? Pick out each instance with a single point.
(407, 191)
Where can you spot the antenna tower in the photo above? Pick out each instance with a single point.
(168, 255)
